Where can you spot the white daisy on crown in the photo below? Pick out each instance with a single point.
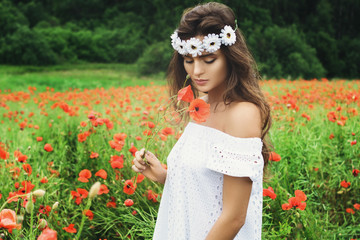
(211, 43)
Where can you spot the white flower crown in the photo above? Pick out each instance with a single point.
(210, 43)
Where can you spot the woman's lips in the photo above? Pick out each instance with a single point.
(200, 82)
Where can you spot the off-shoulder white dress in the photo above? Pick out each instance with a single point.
(192, 195)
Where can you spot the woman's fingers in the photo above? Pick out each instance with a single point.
(139, 156)
(133, 167)
(139, 165)
(150, 157)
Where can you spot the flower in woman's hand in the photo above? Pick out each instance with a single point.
(199, 110)
(185, 94)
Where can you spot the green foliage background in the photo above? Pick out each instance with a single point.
(318, 38)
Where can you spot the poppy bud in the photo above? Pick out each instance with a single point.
(55, 205)
(29, 206)
(42, 224)
(39, 193)
(94, 190)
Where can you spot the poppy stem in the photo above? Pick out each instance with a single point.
(7, 201)
(31, 218)
(88, 205)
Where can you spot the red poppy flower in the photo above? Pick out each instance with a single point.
(27, 168)
(148, 124)
(48, 234)
(304, 115)
(117, 161)
(353, 142)
(274, 157)
(48, 147)
(133, 150)
(185, 94)
(94, 155)
(286, 206)
(101, 173)
(45, 209)
(300, 195)
(340, 123)
(70, 228)
(152, 195)
(345, 184)
(199, 110)
(103, 189)
(20, 157)
(4, 154)
(27, 187)
(117, 145)
(8, 219)
(269, 192)
(111, 204)
(39, 139)
(83, 192)
(332, 116)
(82, 137)
(331, 136)
(355, 172)
(357, 206)
(80, 194)
(168, 131)
(350, 210)
(147, 132)
(120, 137)
(129, 187)
(296, 202)
(140, 178)
(128, 202)
(84, 175)
(89, 214)
(44, 180)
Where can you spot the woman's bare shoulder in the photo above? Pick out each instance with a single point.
(243, 119)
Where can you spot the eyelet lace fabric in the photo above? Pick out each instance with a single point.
(192, 195)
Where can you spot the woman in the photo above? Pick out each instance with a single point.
(213, 185)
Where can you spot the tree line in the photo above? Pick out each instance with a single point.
(304, 38)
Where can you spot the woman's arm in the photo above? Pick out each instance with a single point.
(236, 195)
(162, 178)
(242, 120)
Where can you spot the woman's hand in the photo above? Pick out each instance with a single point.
(152, 169)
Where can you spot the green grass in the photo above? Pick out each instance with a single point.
(81, 76)
(310, 160)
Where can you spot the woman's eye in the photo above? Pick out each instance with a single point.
(189, 61)
(211, 61)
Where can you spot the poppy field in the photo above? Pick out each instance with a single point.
(66, 157)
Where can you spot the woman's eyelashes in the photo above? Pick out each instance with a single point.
(206, 61)
(210, 61)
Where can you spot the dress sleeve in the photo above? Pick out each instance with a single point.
(241, 161)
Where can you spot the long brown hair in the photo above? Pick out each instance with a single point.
(243, 76)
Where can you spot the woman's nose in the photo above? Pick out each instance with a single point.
(198, 68)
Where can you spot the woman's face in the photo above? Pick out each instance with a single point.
(207, 71)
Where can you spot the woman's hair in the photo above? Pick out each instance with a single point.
(243, 76)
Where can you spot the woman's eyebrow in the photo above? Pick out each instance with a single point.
(207, 55)
(202, 56)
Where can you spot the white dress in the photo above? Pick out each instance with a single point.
(192, 195)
